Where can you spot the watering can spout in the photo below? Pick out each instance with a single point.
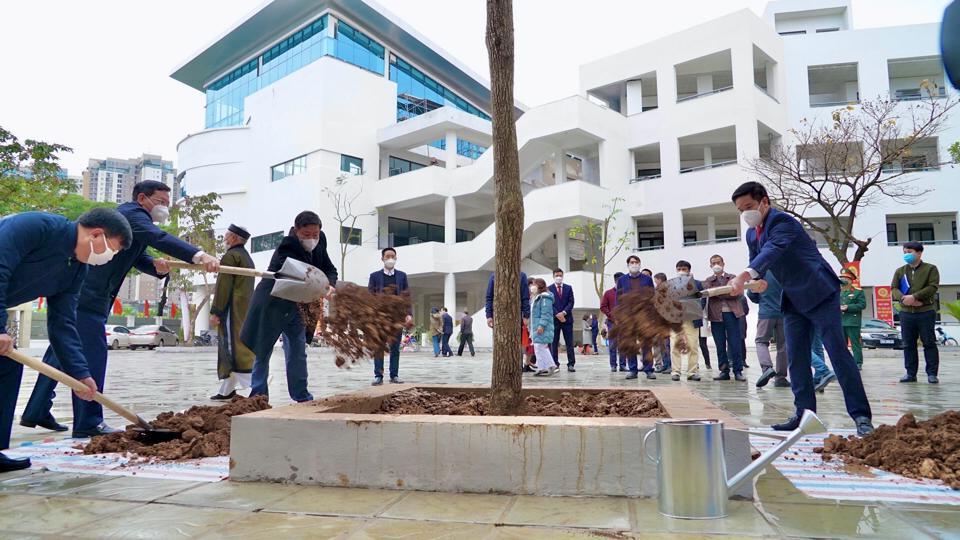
(810, 424)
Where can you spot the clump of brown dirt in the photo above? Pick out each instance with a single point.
(205, 432)
(616, 403)
(638, 324)
(363, 324)
(928, 449)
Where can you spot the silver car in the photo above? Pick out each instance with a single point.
(152, 336)
(118, 337)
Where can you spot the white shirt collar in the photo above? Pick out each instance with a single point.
(389, 272)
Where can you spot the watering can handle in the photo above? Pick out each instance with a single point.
(646, 451)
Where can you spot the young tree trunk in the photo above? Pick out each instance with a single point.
(507, 378)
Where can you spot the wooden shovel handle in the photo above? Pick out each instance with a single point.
(233, 270)
(62, 377)
(726, 289)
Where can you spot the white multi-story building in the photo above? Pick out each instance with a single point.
(112, 179)
(306, 97)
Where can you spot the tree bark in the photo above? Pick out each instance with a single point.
(507, 378)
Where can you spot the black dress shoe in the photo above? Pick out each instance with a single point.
(908, 378)
(864, 426)
(791, 424)
(221, 397)
(932, 379)
(528, 369)
(722, 377)
(765, 377)
(10, 464)
(570, 369)
(822, 383)
(650, 375)
(102, 429)
(48, 423)
(781, 383)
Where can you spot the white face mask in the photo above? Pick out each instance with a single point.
(98, 259)
(752, 218)
(534, 290)
(717, 269)
(683, 273)
(634, 269)
(159, 213)
(389, 263)
(558, 280)
(309, 244)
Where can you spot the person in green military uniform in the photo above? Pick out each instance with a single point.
(852, 304)
(230, 305)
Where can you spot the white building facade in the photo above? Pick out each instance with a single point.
(309, 99)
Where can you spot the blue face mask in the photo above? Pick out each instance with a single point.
(910, 258)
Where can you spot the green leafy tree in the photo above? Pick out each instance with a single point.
(955, 151)
(601, 245)
(28, 175)
(952, 309)
(73, 206)
(192, 219)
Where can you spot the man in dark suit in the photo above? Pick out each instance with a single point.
(445, 350)
(810, 302)
(524, 292)
(150, 205)
(635, 280)
(389, 281)
(43, 255)
(562, 320)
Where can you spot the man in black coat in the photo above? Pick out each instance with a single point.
(389, 280)
(269, 316)
(447, 332)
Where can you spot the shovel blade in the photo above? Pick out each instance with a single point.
(680, 287)
(300, 282)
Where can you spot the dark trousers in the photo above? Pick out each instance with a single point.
(665, 355)
(394, 359)
(704, 349)
(647, 362)
(86, 414)
(729, 342)
(10, 375)
(445, 346)
(295, 356)
(914, 326)
(824, 318)
(468, 341)
(593, 339)
(565, 329)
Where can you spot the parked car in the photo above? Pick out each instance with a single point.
(880, 334)
(118, 337)
(152, 336)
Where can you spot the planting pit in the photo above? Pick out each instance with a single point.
(345, 440)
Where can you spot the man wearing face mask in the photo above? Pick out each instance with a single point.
(562, 320)
(150, 205)
(810, 301)
(852, 304)
(724, 313)
(389, 280)
(49, 256)
(635, 280)
(269, 316)
(915, 286)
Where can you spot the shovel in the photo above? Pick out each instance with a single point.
(296, 281)
(678, 299)
(145, 432)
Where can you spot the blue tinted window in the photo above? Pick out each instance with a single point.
(288, 168)
(225, 95)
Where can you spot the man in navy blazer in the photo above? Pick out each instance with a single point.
(44, 255)
(635, 280)
(562, 319)
(810, 301)
(395, 280)
(151, 201)
(524, 299)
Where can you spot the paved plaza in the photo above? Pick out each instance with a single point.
(41, 504)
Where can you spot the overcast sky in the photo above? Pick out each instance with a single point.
(94, 74)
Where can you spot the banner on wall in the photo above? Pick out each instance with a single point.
(883, 303)
(855, 266)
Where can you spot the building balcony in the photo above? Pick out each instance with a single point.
(646, 163)
(711, 224)
(704, 76)
(930, 229)
(916, 78)
(833, 85)
(628, 97)
(708, 150)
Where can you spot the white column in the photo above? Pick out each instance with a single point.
(450, 292)
(450, 221)
(451, 152)
(563, 252)
(711, 228)
(771, 74)
(203, 318)
(559, 171)
(704, 83)
(707, 155)
(634, 97)
(383, 229)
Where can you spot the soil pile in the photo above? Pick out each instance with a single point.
(363, 324)
(617, 403)
(639, 324)
(929, 449)
(205, 432)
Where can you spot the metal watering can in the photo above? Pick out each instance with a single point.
(692, 472)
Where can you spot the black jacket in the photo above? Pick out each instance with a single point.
(268, 314)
